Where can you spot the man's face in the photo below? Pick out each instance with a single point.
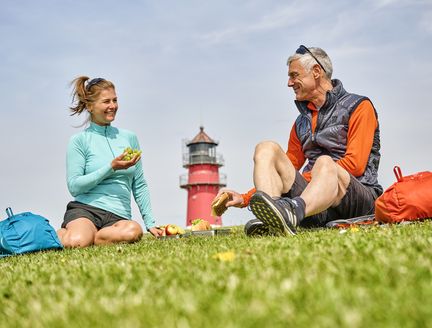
(302, 82)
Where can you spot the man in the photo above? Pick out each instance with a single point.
(336, 136)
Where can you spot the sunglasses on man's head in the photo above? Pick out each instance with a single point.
(303, 49)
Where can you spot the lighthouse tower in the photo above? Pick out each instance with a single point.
(203, 180)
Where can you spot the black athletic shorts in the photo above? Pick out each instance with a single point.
(359, 200)
(99, 217)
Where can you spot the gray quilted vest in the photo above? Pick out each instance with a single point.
(330, 136)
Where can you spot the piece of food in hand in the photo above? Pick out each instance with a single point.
(172, 229)
(130, 153)
(218, 206)
(200, 225)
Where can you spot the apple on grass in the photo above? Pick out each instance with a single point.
(172, 229)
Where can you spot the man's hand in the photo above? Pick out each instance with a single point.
(236, 198)
(119, 164)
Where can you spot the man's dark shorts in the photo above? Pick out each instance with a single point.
(359, 200)
(99, 217)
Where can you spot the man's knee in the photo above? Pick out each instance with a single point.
(325, 165)
(325, 161)
(266, 149)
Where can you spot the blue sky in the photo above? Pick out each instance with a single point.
(181, 64)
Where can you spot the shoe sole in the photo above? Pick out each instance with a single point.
(263, 208)
(256, 229)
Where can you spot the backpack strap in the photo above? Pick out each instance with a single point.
(398, 173)
(9, 212)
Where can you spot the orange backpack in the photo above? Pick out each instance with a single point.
(408, 199)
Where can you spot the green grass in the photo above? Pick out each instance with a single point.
(373, 277)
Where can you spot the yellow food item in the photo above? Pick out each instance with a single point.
(225, 256)
(130, 153)
(218, 206)
(200, 225)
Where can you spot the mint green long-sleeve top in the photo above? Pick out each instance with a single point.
(91, 179)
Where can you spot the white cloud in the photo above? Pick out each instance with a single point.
(426, 22)
(385, 3)
(278, 18)
(380, 4)
(351, 51)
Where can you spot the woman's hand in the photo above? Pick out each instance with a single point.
(156, 231)
(236, 198)
(119, 164)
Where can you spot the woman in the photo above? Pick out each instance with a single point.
(98, 175)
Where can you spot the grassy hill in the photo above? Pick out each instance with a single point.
(368, 277)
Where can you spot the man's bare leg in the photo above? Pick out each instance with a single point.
(273, 173)
(327, 187)
(122, 231)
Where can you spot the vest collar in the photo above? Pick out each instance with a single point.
(331, 97)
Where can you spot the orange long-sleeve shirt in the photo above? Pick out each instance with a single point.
(361, 129)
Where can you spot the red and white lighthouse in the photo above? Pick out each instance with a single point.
(203, 180)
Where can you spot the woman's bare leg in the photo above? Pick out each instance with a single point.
(78, 233)
(122, 231)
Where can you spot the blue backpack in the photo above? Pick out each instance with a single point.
(26, 232)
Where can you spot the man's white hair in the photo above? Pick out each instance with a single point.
(307, 61)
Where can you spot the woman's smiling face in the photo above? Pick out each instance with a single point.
(104, 109)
